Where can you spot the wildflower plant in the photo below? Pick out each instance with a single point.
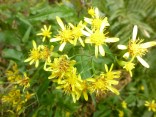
(76, 65)
(91, 31)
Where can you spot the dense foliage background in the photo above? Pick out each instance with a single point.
(21, 20)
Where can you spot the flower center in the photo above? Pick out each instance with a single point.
(35, 54)
(96, 23)
(63, 64)
(65, 35)
(97, 38)
(135, 49)
(46, 33)
(77, 32)
(129, 66)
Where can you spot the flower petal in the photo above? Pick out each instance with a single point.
(86, 33)
(88, 20)
(37, 63)
(96, 51)
(135, 31)
(45, 27)
(101, 50)
(104, 24)
(28, 59)
(148, 44)
(143, 62)
(126, 55)
(80, 40)
(54, 39)
(62, 46)
(85, 96)
(89, 30)
(108, 40)
(97, 12)
(34, 44)
(71, 25)
(60, 22)
(122, 47)
(106, 68)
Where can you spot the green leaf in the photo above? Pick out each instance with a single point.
(50, 12)
(12, 54)
(43, 87)
(27, 34)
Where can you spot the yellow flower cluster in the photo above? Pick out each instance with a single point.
(95, 35)
(135, 49)
(91, 31)
(65, 74)
(41, 52)
(17, 94)
(62, 69)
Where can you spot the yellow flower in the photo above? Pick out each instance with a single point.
(46, 53)
(24, 81)
(14, 99)
(91, 11)
(13, 74)
(65, 35)
(34, 55)
(28, 95)
(71, 84)
(85, 85)
(60, 67)
(121, 113)
(136, 48)
(111, 74)
(124, 104)
(151, 105)
(77, 32)
(102, 84)
(96, 21)
(98, 38)
(45, 32)
(129, 66)
(142, 87)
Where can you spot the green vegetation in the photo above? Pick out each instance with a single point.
(77, 58)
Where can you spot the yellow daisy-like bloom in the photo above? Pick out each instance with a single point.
(60, 67)
(46, 53)
(77, 32)
(98, 38)
(102, 84)
(28, 95)
(96, 21)
(121, 113)
(129, 66)
(136, 48)
(91, 11)
(124, 104)
(64, 36)
(45, 32)
(111, 74)
(13, 74)
(34, 55)
(151, 105)
(71, 84)
(85, 84)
